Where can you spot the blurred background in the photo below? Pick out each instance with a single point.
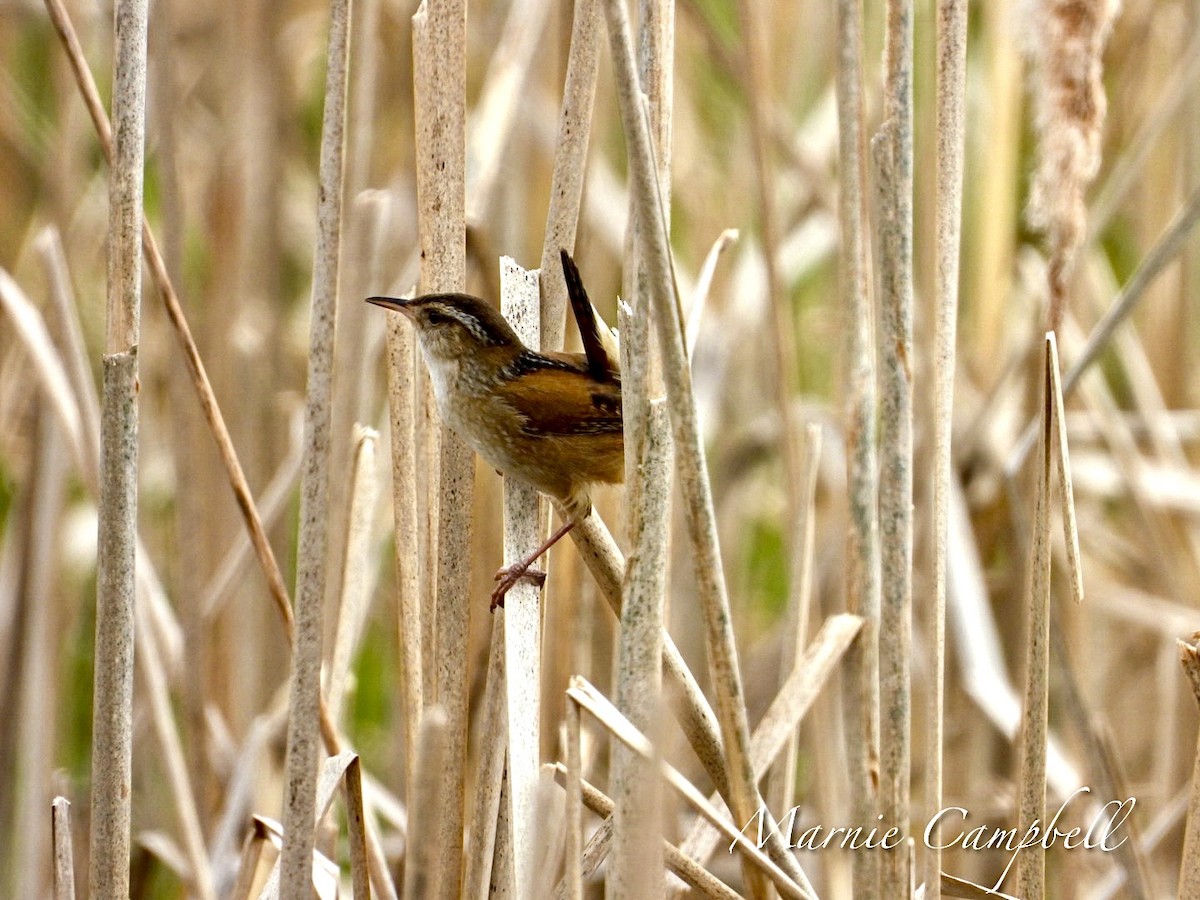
(234, 118)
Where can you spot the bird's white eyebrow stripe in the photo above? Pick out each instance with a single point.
(469, 322)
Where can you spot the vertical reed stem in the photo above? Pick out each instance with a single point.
(570, 163)
(305, 687)
(112, 716)
(64, 863)
(522, 612)
(854, 288)
(951, 86)
(893, 156)
(1031, 863)
(439, 84)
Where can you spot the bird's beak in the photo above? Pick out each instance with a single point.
(395, 303)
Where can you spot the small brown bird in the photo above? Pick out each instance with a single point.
(550, 419)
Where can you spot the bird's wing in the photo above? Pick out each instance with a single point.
(555, 395)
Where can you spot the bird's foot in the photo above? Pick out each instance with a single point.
(510, 575)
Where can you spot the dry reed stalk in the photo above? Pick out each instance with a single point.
(360, 867)
(71, 392)
(1165, 441)
(951, 115)
(572, 883)
(452, 630)
(324, 870)
(562, 220)
(1130, 461)
(1066, 41)
(402, 383)
(64, 862)
(522, 612)
(1189, 867)
(355, 594)
(112, 726)
(656, 67)
(600, 553)
(378, 867)
(304, 704)
(893, 154)
(364, 89)
(781, 329)
(697, 495)
(505, 87)
(968, 890)
(439, 89)
(271, 504)
(501, 885)
(116, 583)
(994, 217)
(797, 694)
(699, 298)
(692, 873)
(783, 785)
(604, 560)
(982, 669)
(259, 835)
(422, 870)
(637, 864)
(638, 359)
(252, 847)
(1167, 822)
(594, 854)
(123, 311)
(552, 839)
(343, 770)
(354, 372)
(606, 714)
(155, 685)
(48, 246)
(861, 691)
(1107, 778)
(55, 381)
(641, 375)
(1130, 161)
(200, 381)
(1184, 370)
(793, 700)
(1161, 427)
(1102, 755)
(428, 441)
(36, 648)
(655, 76)
(485, 806)
(570, 157)
(1066, 484)
(1170, 244)
(1031, 864)
(75, 401)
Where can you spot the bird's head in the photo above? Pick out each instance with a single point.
(453, 326)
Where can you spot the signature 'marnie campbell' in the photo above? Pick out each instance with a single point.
(1101, 833)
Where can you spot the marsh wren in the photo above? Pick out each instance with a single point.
(550, 419)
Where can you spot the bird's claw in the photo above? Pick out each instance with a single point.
(509, 576)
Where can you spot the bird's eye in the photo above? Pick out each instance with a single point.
(437, 318)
